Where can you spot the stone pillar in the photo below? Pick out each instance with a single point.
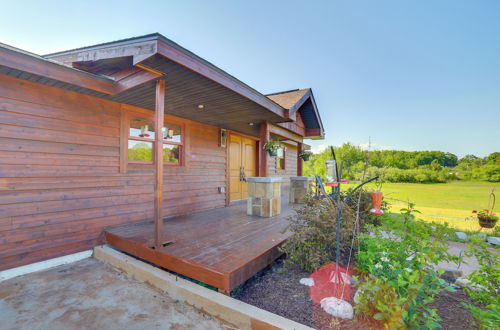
(264, 196)
(300, 186)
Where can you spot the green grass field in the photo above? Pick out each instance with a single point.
(442, 202)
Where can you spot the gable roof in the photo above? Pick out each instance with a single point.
(301, 100)
(287, 99)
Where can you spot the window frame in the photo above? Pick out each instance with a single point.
(283, 160)
(181, 144)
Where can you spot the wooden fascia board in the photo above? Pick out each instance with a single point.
(138, 50)
(283, 132)
(315, 133)
(136, 77)
(207, 71)
(293, 110)
(316, 112)
(48, 69)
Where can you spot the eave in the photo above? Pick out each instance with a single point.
(143, 48)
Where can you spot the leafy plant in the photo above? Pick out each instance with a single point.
(305, 154)
(485, 288)
(485, 284)
(273, 145)
(486, 319)
(408, 212)
(313, 228)
(401, 263)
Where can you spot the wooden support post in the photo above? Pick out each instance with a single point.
(264, 156)
(158, 158)
(300, 147)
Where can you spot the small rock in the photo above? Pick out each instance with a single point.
(462, 282)
(307, 281)
(461, 235)
(466, 283)
(452, 274)
(337, 307)
(494, 240)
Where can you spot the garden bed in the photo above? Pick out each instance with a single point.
(277, 290)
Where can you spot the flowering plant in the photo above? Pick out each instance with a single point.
(487, 218)
(399, 266)
(486, 215)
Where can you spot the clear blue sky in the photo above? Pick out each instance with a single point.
(412, 75)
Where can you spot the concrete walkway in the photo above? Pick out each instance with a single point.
(467, 266)
(92, 295)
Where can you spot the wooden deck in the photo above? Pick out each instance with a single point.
(221, 247)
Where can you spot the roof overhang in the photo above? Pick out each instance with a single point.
(141, 49)
(302, 101)
(315, 131)
(12, 58)
(125, 71)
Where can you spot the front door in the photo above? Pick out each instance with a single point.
(242, 164)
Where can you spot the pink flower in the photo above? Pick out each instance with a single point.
(474, 211)
(493, 213)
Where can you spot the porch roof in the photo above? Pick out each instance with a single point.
(125, 71)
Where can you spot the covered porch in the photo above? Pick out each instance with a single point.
(221, 247)
(155, 77)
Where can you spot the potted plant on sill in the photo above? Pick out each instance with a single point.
(487, 218)
(272, 147)
(305, 155)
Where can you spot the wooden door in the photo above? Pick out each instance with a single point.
(242, 157)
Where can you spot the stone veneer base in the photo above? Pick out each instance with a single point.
(300, 186)
(264, 196)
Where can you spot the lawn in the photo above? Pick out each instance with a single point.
(441, 202)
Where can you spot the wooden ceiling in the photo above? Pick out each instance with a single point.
(126, 70)
(185, 90)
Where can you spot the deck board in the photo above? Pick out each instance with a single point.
(221, 247)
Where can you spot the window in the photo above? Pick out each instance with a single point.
(280, 159)
(172, 143)
(141, 140)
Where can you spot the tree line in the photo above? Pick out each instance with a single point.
(406, 166)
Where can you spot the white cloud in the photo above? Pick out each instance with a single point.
(319, 148)
(375, 146)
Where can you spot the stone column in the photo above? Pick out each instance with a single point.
(264, 196)
(300, 186)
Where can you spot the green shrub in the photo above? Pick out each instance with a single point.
(488, 318)
(313, 239)
(487, 276)
(313, 228)
(401, 262)
(485, 284)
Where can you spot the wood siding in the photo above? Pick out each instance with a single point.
(60, 183)
(290, 168)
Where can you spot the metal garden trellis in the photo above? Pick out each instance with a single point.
(336, 198)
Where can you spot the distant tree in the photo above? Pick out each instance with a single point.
(408, 166)
(493, 158)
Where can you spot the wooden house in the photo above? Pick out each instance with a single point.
(81, 165)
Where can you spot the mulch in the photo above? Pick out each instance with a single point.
(453, 314)
(277, 290)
